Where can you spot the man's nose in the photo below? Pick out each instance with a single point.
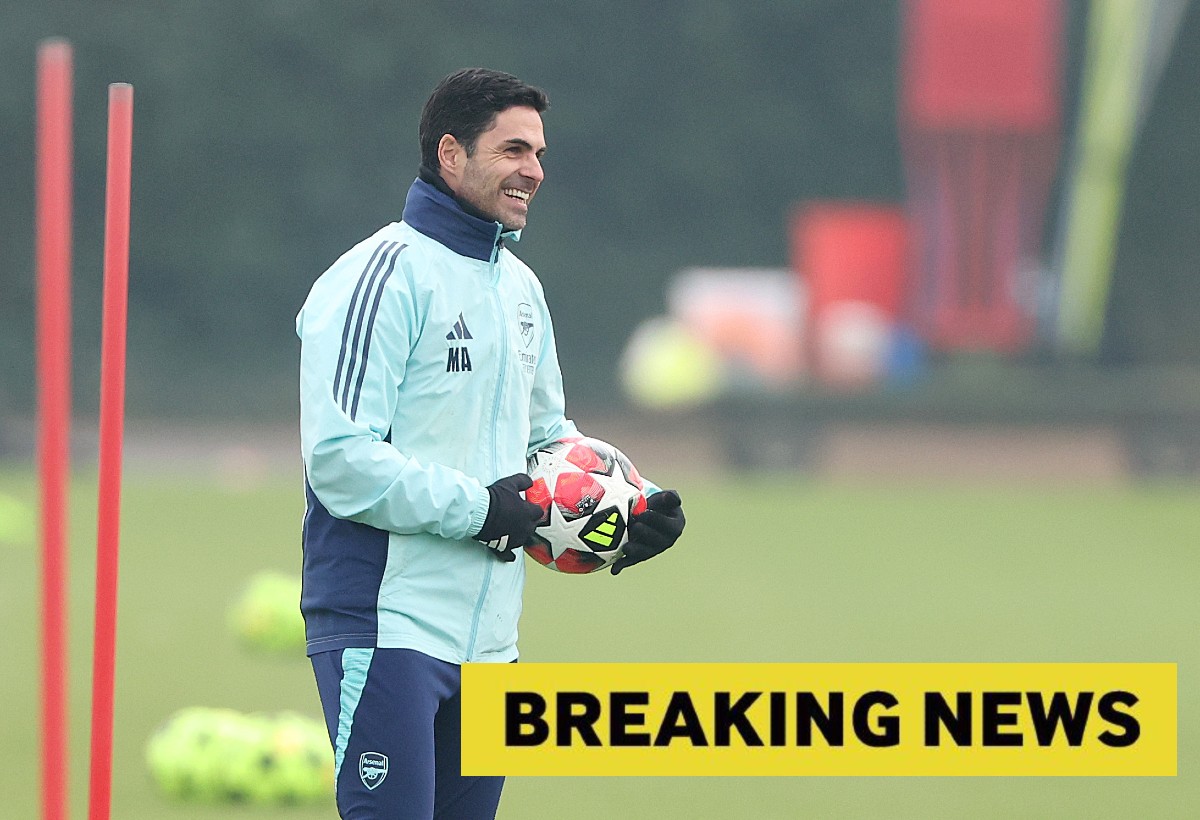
(533, 170)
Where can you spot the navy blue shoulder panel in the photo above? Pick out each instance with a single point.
(343, 570)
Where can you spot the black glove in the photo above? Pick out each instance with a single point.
(510, 518)
(652, 531)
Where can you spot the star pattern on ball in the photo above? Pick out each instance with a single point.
(588, 491)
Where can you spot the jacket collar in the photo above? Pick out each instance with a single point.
(438, 215)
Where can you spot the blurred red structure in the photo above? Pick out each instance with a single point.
(852, 259)
(979, 121)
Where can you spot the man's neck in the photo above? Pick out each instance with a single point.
(435, 179)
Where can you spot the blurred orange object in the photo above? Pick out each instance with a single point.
(752, 318)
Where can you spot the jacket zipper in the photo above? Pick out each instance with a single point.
(493, 274)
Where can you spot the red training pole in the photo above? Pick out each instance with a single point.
(53, 283)
(112, 424)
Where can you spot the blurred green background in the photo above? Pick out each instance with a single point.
(270, 136)
(1029, 507)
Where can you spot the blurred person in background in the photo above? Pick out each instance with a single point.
(428, 375)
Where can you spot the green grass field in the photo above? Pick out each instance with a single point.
(777, 569)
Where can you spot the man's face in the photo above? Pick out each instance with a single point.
(505, 171)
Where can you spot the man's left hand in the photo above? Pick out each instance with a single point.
(652, 531)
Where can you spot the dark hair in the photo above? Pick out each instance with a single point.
(465, 104)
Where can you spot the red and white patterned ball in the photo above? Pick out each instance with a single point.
(588, 491)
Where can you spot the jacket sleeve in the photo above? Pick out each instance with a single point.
(356, 331)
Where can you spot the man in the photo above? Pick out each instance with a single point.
(421, 396)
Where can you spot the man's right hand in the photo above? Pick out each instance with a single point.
(510, 518)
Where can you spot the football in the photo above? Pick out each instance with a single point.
(223, 756)
(189, 755)
(299, 759)
(588, 491)
(266, 618)
(173, 748)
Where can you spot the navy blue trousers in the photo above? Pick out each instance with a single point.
(394, 720)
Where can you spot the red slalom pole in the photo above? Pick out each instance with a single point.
(53, 210)
(112, 425)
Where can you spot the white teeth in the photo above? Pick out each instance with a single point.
(521, 195)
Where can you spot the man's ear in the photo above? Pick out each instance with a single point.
(451, 156)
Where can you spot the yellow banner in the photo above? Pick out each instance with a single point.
(1060, 719)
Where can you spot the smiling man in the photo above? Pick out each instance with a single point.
(428, 374)
(500, 176)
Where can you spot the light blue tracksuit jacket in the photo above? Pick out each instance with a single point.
(427, 371)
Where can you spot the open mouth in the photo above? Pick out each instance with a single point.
(517, 194)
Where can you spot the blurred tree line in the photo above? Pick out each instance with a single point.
(272, 135)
